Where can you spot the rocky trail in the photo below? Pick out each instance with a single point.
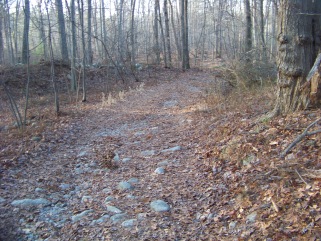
(129, 171)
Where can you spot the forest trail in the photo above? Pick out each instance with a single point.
(65, 190)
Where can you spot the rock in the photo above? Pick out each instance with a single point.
(118, 217)
(131, 196)
(232, 225)
(30, 202)
(127, 159)
(251, 218)
(125, 186)
(86, 199)
(38, 189)
(109, 199)
(133, 180)
(113, 209)
(103, 219)
(2, 200)
(163, 163)
(160, 170)
(159, 206)
(116, 157)
(141, 216)
(173, 149)
(36, 138)
(64, 186)
(82, 154)
(129, 223)
(107, 190)
(81, 215)
(148, 153)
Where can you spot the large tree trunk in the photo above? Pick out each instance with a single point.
(168, 41)
(156, 40)
(248, 33)
(62, 31)
(184, 30)
(73, 82)
(298, 44)
(89, 45)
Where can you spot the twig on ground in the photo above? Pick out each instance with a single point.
(302, 178)
(300, 137)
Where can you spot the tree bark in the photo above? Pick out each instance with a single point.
(25, 41)
(184, 30)
(73, 82)
(167, 37)
(298, 44)
(156, 41)
(89, 45)
(248, 21)
(62, 31)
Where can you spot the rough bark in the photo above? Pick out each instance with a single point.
(25, 41)
(248, 21)
(167, 38)
(298, 44)
(156, 41)
(62, 31)
(89, 45)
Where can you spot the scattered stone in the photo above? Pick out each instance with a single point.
(139, 133)
(64, 186)
(116, 157)
(36, 138)
(129, 223)
(113, 209)
(251, 218)
(163, 163)
(81, 215)
(127, 159)
(82, 154)
(118, 217)
(176, 148)
(86, 199)
(160, 170)
(38, 189)
(30, 202)
(133, 180)
(232, 225)
(125, 186)
(159, 206)
(109, 199)
(100, 220)
(131, 196)
(2, 200)
(170, 103)
(141, 216)
(148, 153)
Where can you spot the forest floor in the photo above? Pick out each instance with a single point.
(178, 138)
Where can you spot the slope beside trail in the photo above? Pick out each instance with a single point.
(68, 188)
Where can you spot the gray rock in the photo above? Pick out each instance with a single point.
(127, 159)
(82, 154)
(64, 186)
(113, 209)
(159, 206)
(30, 202)
(141, 216)
(2, 200)
(107, 190)
(160, 170)
(129, 223)
(133, 180)
(36, 138)
(163, 163)
(100, 220)
(125, 186)
(81, 215)
(131, 196)
(118, 217)
(232, 225)
(109, 199)
(148, 153)
(173, 149)
(86, 199)
(116, 158)
(38, 189)
(251, 218)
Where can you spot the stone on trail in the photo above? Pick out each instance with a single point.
(86, 199)
(148, 153)
(251, 217)
(100, 220)
(109, 199)
(116, 157)
(173, 149)
(30, 202)
(118, 217)
(81, 215)
(125, 186)
(133, 180)
(127, 159)
(163, 163)
(159, 206)
(160, 170)
(113, 209)
(129, 223)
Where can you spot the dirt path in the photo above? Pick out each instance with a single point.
(64, 190)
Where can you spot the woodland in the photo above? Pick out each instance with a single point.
(160, 120)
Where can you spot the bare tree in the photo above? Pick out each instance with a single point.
(89, 46)
(184, 33)
(25, 41)
(167, 37)
(62, 31)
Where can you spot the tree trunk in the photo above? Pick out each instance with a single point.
(176, 37)
(42, 33)
(298, 44)
(132, 33)
(62, 31)
(83, 66)
(167, 38)
(8, 31)
(89, 46)
(184, 30)
(248, 21)
(73, 81)
(25, 41)
(1, 35)
(156, 43)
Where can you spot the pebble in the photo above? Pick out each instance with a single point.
(86, 199)
(82, 154)
(163, 163)
(159, 206)
(251, 218)
(2, 200)
(232, 225)
(125, 186)
(176, 148)
(160, 170)
(148, 153)
(30, 202)
(116, 158)
(129, 223)
(141, 216)
(64, 186)
(133, 180)
(127, 159)
(36, 138)
(113, 209)
(81, 215)
(102, 219)
(118, 217)
(109, 199)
